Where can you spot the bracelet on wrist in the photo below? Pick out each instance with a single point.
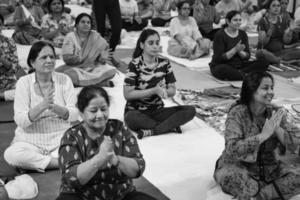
(118, 162)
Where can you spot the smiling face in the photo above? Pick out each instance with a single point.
(151, 45)
(95, 115)
(84, 25)
(265, 92)
(45, 62)
(235, 22)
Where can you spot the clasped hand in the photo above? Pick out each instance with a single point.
(161, 91)
(239, 47)
(105, 56)
(106, 151)
(48, 100)
(273, 124)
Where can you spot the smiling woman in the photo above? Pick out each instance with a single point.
(255, 130)
(44, 106)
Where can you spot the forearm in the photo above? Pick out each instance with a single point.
(139, 94)
(288, 36)
(47, 34)
(171, 91)
(71, 59)
(229, 54)
(35, 112)
(87, 169)
(61, 111)
(128, 166)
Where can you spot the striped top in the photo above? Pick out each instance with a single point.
(47, 130)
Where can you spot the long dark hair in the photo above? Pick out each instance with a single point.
(80, 16)
(269, 2)
(251, 83)
(230, 15)
(35, 50)
(143, 37)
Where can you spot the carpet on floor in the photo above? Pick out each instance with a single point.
(49, 182)
(211, 104)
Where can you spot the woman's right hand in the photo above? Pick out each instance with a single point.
(239, 46)
(106, 150)
(272, 124)
(160, 91)
(49, 98)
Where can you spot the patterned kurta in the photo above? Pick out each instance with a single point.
(142, 77)
(50, 24)
(248, 168)
(8, 50)
(109, 183)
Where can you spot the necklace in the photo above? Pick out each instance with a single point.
(40, 88)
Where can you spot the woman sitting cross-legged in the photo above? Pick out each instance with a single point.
(99, 157)
(231, 52)
(28, 18)
(56, 24)
(148, 80)
(131, 19)
(276, 30)
(256, 133)
(44, 106)
(85, 53)
(162, 12)
(9, 67)
(186, 41)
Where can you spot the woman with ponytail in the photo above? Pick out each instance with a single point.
(149, 80)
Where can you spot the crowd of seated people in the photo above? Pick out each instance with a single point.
(45, 101)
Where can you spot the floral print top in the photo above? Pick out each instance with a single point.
(50, 24)
(8, 51)
(109, 183)
(144, 77)
(242, 146)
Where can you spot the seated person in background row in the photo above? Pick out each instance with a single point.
(284, 11)
(56, 24)
(9, 68)
(205, 16)
(131, 20)
(150, 79)
(85, 53)
(275, 31)
(7, 8)
(256, 132)
(145, 9)
(44, 106)
(28, 18)
(99, 157)
(162, 12)
(224, 6)
(231, 54)
(186, 41)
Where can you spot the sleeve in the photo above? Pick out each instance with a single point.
(135, 8)
(69, 52)
(131, 75)
(12, 57)
(131, 150)
(196, 32)
(262, 25)
(22, 102)
(170, 78)
(219, 48)
(291, 133)
(69, 159)
(237, 143)
(70, 99)
(45, 23)
(174, 27)
(245, 41)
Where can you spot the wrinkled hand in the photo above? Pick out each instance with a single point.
(106, 150)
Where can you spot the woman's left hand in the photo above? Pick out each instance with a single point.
(105, 56)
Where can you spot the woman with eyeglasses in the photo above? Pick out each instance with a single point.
(44, 106)
(186, 41)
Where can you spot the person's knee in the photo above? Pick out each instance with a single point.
(190, 112)
(14, 156)
(130, 119)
